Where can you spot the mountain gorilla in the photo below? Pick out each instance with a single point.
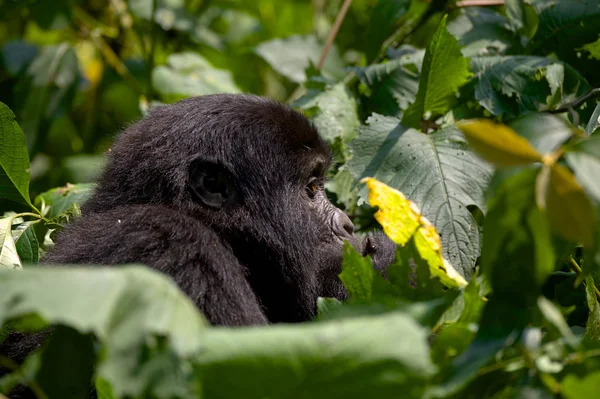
(224, 193)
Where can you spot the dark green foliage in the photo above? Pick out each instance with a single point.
(387, 98)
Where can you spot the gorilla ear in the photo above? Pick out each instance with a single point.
(212, 184)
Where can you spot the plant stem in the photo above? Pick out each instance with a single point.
(578, 270)
(472, 3)
(153, 38)
(11, 365)
(333, 33)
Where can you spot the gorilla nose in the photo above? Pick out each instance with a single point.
(342, 225)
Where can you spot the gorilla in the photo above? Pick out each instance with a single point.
(223, 193)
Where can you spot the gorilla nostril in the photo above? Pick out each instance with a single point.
(342, 225)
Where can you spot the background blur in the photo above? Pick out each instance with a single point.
(76, 72)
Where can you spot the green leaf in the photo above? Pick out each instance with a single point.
(564, 26)
(187, 75)
(58, 200)
(584, 159)
(444, 71)
(291, 56)
(393, 86)
(26, 242)
(439, 172)
(481, 31)
(14, 159)
(594, 122)
(362, 282)
(513, 85)
(370, 356)
(593, 48)
(575, 387)
(142, 320)
(518, 255)
(9, 257)
(382, 23)
(515, 11)
(333, 111)
(592, 327)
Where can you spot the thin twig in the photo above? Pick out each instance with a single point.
(11, 365)
(333, 33)
(475, 3)
(153, 39)
(578, 270)
(577, 102)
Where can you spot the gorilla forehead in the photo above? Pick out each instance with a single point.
(237, 130)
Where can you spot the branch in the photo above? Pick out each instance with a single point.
(474, 3)
(333, 33)
(577, 102)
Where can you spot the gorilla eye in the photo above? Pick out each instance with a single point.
(312, 187)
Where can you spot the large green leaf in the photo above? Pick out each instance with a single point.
(187, 75)
(517, 84)
(444, 71)
(291, 56)
(369, 356)
(439, 172)
(14, 159)
(142, 320)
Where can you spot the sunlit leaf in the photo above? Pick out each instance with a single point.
(444, 71)
(498, 143)
(578, 387)
(401, 219)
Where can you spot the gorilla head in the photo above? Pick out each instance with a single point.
(225, 194)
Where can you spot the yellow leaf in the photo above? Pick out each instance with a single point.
(569, 210)
(401, 220)
(498, 143)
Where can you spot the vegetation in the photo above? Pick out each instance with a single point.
(483, 115)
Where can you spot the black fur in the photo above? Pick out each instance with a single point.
(262, 250)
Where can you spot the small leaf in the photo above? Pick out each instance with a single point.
(14, 159)
(594, 122)
(444, 71)
(363, 283)
(58, 200)
(498, 143)
(9, 257)
(401, 219)
(568, 208)
(26, 242)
